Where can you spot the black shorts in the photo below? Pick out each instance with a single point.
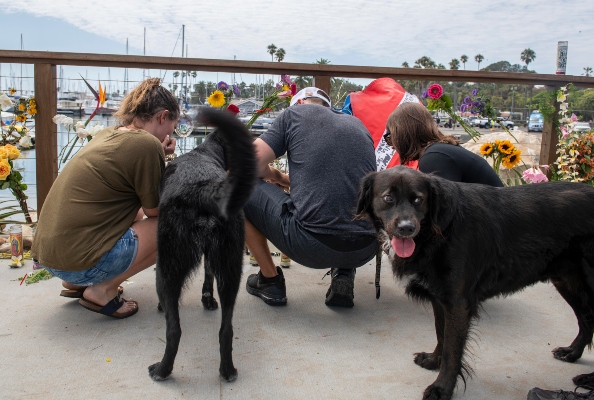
(271, 211)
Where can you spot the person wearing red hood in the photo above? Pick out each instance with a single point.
(372, 106)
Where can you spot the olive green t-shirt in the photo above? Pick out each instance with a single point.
(96, 198)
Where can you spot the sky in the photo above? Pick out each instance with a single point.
(348, 32)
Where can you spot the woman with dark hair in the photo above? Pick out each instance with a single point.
(92, 232)
(413, 133)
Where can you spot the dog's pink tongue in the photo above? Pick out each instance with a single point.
(403, 247)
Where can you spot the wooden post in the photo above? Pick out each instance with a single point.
(550, 137)
(46, 131)
(322, 82)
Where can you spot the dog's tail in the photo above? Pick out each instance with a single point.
(234, 191)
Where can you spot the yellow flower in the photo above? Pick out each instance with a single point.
(12, 90)
(512, 160)
(4, 169)
(32, 111)
(216, 99)
(487, 149)
(13, 152)
(21, 107)
(3, 153)
(506, 147)
(21, 118)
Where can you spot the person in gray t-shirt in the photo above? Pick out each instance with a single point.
(328, 153)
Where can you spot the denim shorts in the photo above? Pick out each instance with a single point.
(113, 263)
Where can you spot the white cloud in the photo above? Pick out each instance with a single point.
(370, 32)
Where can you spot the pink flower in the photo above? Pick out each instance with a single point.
(293, 89)
(286, 93)
(534, 175)
(435, 91)
(564, 132)
(574, 117)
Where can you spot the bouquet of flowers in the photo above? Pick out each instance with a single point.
(503, 152)
(438, 101)
(11, 134)
(283, 93)
(221, 97)
(574, 149)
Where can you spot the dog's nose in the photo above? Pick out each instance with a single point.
(405, 228)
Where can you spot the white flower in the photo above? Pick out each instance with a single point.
(79, 125)
(64, 120)
(95, 129)
(5, 102)
(25, 141)
(82, 134)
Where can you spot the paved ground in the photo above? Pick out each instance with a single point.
(52, 348)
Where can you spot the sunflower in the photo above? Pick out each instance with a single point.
(216, 99)
(487, 149)
(506, 147)
(12, 91)
(512, 160)
(21, 118)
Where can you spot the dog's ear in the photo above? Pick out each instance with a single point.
(442, 204)
(365, 200)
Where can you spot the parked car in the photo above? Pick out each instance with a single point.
(582, 127)
(473, 120)
(535, 122)
(507, 123)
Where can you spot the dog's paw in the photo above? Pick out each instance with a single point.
(159, 307)
(584, 380)
(436, 393)
(228, 374)
(158, 373)
(566, 354)
(427, 360)
(209, 302)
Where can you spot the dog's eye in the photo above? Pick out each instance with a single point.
(417, 201)
(388, 198)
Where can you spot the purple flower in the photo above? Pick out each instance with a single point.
(425, 94)
(235, 90)
(463, 108)
(467, 100)
(279, 86)
(222, 85)
(474, 92)
(286, 79)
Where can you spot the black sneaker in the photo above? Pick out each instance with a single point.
(542, 394)
(271, 290)
(340, 293)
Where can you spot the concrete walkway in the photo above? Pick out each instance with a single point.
(52, 348)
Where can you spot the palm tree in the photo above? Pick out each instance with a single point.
(587, 71)
(464, 59)
(479, 59)
(280, 54)
(323, 61)
(455, 64)
(303, 81)
(271, 50)
(405, 65)
(527, 56)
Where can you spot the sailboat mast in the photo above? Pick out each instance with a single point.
(144, 52)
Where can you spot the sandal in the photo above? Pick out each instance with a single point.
(78, 293)
(111, 308)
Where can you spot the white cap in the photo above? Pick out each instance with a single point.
(310, 92)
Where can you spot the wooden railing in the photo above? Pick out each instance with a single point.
(45, 63)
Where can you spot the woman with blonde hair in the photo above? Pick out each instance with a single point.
(99, 221)
(413, 133)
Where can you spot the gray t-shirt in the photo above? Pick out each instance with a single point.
(328, 153)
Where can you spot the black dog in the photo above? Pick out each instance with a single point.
(464, 243)
(200, 215)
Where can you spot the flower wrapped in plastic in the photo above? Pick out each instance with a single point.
(283, 93)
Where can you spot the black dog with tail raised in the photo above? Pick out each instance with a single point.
(202, 194)
(464, 243)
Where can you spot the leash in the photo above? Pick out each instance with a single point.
(378, 269)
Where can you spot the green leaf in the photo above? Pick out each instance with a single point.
(5, 185)
(447, 101)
